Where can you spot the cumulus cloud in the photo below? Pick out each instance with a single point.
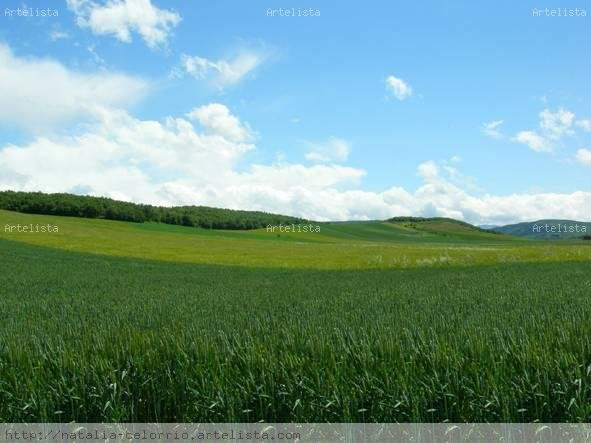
(123, 157)
(428, 171)
(171, 162)
(456, 176)
(193, 159)
(553, 127)
(217, 119)
(38, 93)
(332, 150)
(535, 141)
(556, 124)
(492, 129)
(398, 87)
(223, 72)
(585, 125)
(121, 18)
(439, 197)
(584, 157)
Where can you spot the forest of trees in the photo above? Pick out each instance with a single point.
(101, 207)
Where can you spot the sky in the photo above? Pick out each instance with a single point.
(320, 109)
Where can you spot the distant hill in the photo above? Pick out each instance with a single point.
(101, 207)
(351, 222)
(548, 229)
(444, 230)
(488, 227)
(437, 223)
(395, 228)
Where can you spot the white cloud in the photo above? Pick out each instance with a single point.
(123, 157)
(584, 156)
(332, 150)
(458, 177)
(286, 178)
(438, 197)
(38, 93)
(217, 119)
(97, 58)
(428, 171)
(585, 125)
(398, 87)
(171, 163)
(121, 18)
(56, 35)
(492, 129)
(555, 125)
(223, 72)
(535, 141)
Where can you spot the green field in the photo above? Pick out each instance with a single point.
(337, 246)
(115, 321)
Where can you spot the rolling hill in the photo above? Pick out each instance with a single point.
(392, 244)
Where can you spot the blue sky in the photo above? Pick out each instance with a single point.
(360, 111)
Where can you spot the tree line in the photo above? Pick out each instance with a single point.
(101, 207)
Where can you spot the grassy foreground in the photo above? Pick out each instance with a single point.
(94, 338)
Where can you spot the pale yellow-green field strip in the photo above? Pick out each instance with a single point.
(324, 250)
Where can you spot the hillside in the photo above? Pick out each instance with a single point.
(434, 221)
(548, 229)
(432, 243)
(396, 229)
(101, 207)
(413, 229)
(446, 228)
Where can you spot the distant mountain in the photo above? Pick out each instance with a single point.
(548, 229)
(488, 226)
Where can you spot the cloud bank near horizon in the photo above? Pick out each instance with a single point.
(194, 158)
